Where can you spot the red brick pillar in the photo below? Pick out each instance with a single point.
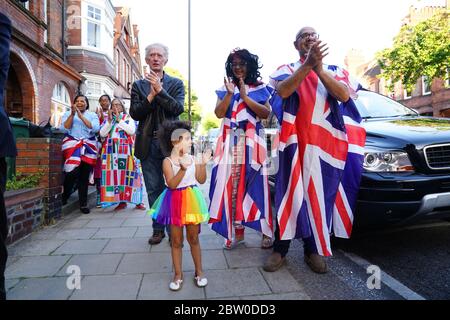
(43, 155)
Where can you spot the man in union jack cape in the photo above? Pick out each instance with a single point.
(320, 152)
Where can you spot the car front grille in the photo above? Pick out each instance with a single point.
(438, 156)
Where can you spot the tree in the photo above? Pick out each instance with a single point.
(210, 122)
(195, 106)
(420, 50)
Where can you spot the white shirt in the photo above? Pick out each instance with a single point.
(189, 176)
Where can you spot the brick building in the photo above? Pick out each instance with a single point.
(127, 58)
(103, 47)
(426, 98)
(39, 79)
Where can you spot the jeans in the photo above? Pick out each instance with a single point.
(153, 178)
(282, 246)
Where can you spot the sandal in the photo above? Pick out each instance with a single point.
(200, 281)
(266, 242)
(176, 285)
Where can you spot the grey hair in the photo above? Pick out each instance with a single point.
(157, 45)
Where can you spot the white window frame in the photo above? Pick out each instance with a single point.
(424, 85)
(93, 88)
(60, 100)
(97, 21)
(405, 94)
(26, 5)
(46, 20)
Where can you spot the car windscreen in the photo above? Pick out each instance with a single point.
(373, 105)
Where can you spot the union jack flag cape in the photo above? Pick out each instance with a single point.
(77, 150)
(321, 149)
(253, 206)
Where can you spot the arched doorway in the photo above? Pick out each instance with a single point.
(20, 92)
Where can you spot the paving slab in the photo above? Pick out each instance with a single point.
(40, 266)
(246, 257)
(133, 245)
(76, 224)
(281, 281)
(211, 260)
(117, 287)
(281, 296)
(81, 247)
(105, 223)
(75, 234)
(137, 222)
(109, 233)
(40, 289)
(153, 262)
(235, 283)
(34, 248)
(156, 287)
(144, 232)
(93, 264)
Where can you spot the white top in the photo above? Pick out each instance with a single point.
(189, 176)
(129, 128)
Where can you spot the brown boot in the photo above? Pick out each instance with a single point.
(156, 237)
(274, 262)
(316, 263)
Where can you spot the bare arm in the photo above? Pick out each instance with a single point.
(69, 122)
(200, 168)
(288, 86)
(261, 110)
(222, 106)
(335, 88)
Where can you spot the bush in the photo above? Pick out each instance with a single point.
(21, 181)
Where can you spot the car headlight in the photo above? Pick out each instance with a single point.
(376, 160)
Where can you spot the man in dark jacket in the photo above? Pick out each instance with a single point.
(7, 145)
(155, 98)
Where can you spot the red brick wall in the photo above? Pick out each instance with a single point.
(73, 23)
(91, 63)
(55, 27)
(43, 155)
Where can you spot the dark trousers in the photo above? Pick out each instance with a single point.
(3, 229)
(282, 246)
(80, 174)
(153, 178)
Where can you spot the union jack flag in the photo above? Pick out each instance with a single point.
(77, 150)
(320, 158)
(253, 206)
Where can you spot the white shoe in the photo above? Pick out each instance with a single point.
(176, 285)
(200, 282)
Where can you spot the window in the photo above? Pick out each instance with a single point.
(93, 26)
(94, 88)
(60, 103)
(447, 82)
(426, 85)
(407, 94)
(124, 72)
(117, 64)
(26, 5)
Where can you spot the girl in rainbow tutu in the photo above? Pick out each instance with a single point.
(181, 203)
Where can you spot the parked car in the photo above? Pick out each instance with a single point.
(406, 174)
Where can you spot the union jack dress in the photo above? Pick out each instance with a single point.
(321, 149)
(252, 203)
(76, 151)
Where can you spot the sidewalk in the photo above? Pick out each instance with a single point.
(116, 262)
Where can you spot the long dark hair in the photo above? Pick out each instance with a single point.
(252, 60)
(85, 99)
(166, 131)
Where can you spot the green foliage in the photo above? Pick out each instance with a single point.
(21, 181)
(195, 106)
(210, 121)
(422, 50)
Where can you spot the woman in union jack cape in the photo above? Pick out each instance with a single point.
(79, 148)
(239, 191)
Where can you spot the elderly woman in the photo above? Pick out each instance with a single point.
(79, 149)
(121, 177)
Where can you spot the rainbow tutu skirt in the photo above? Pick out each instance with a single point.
(180, 207)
